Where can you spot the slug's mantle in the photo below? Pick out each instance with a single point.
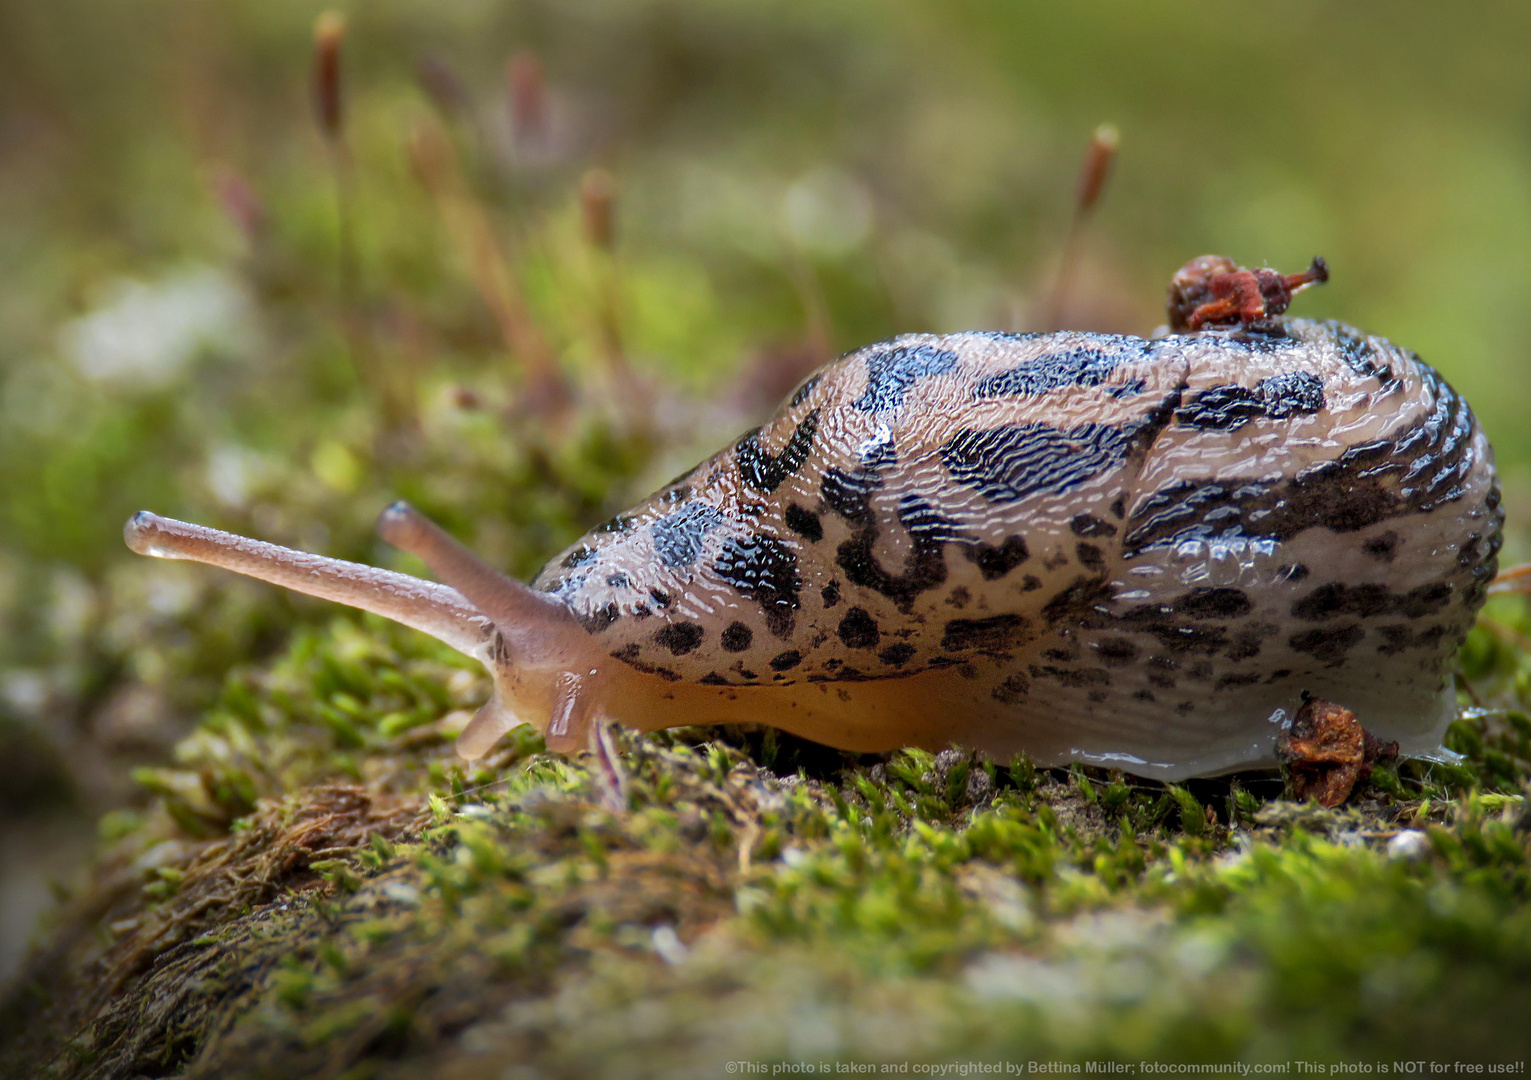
(1122, 551)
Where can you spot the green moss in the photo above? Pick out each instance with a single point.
(979, 911)
(312, 883)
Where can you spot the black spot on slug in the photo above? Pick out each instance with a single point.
(680, 638)
(891, 371)
(1383, 548)
(1074, 678)
(996, 634)
(849, 494)
(1229, 682)
(678, 536)
(737, 637)
(1087, 526)
(858, 630)
(1368, 601)
(897, 655)
(786, 661)
(1012, 689)
(1329, 646)
(801, 394)
(1090, 557)
(924, 567)
(1005, 464)
(599, 619)
(764, 569)
(1115, 651)
(1213, 603)
(1415, 471)
(830, 594)
(763, 471)
(1397, 638)
(1226, 407)
(804, 522)
(712, 678)
(1051, 371)
(622, 523)
(578, 557)
(925, 523)
(1358, 352)
(995, 562)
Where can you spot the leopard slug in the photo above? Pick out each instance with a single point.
(1114, 550)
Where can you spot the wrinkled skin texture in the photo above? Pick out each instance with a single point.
(1114, 550)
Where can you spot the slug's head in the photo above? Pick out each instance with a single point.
(1213, 290)
(546, 669)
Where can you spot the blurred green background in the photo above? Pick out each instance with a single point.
(185, 326)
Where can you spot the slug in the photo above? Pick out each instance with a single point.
(1128, 552)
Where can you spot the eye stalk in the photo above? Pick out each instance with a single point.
(1213, 291)
(542, 661)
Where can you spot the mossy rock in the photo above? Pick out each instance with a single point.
(322, 889)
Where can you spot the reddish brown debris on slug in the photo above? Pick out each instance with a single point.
(1327, 752)
(1215, 291)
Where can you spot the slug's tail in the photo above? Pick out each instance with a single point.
(438, 610)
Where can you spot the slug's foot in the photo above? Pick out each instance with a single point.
(1215, 291)
(1326, 752)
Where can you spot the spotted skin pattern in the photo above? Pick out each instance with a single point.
(1108, 549)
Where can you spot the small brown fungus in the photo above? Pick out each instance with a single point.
(1213, 290)
(1326, 752)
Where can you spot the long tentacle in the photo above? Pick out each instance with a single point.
(438, 610)
(541, 630)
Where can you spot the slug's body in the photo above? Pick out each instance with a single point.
(1113, 550)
